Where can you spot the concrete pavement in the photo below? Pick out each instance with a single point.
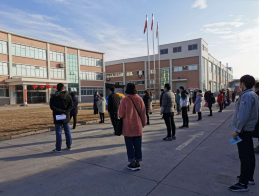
(201, 161)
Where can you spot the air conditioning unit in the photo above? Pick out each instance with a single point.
(107, 79)
(62, 65)
(140, 76)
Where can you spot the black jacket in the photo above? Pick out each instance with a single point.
(75, 104)
(113, 102)
(256, 130)
(61, 103)
(210, 99)
(147, 101)
(161, 97)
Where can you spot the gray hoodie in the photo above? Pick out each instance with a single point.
(246, 112)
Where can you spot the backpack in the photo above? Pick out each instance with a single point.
(213, 100)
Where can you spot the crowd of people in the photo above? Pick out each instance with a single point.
(135, 112)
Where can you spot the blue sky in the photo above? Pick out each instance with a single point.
(230, 27)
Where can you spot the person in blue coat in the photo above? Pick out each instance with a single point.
(198, 103)
(74, 111)
(96, 99)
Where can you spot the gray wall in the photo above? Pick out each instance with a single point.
(87, 99)
(4, 101)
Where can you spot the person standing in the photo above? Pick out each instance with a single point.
(61, 103)
(184, 105)
(151, 101)
(228, 97)
(211, 100)
(244, 120)
(96, 99)
(162, 91)
(167, 110)
(256, 130)
(198, 105)
(177, 101)
(74, 111)
(101, 107)
(234, 96)
(113, 107)
(133, 112)
(147, 101)
(220, 101)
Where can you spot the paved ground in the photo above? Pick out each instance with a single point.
(200, 162)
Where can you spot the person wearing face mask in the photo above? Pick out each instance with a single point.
(244, 120)
(96, 99)
(184, 102)
(220, 101)
(197, 104)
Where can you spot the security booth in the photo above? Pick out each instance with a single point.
(30, 90)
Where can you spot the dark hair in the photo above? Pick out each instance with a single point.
(248, 80)
(167, 86)
(95, 93)
(60, 86)
(112, 89)
(72, 94)
(200, 91)
(147, 92)
(162, 90)
(177, 91)
(257, 85)
(131, 89)
(181, 87)
(101, 95)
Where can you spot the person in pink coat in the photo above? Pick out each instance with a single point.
(134, 119)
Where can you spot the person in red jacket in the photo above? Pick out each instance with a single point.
(220, 100)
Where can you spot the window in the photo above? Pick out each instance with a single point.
(164, 76)
(129, 73)
(85, 75)
(193, 47)
(177, 49)
(152, 71)
(90, 61)
(140, 73)
(178, 69)
(89, 91)
(204, 48)
(3, 47)
(29, 70)
(56, 56)
(4, 91)
(3, 68)
(57, 73)
(141, 93)
(114, 75)
(28, 51)
(141, 82)
(193, 67)
(214, 69)
(164, 51)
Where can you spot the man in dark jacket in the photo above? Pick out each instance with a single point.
(161, 98)
(113, 107)
(74, 111)
(61, 104)
(147, 100)
(256, 130)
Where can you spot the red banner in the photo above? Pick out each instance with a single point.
(25, 95)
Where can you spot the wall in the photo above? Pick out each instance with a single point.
(5, 101)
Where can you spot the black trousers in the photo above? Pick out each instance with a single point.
(246, 156)
(169, 121)
(74, 119)
(185, 116)
(199, 115)
(210, 108)
(101, 116)
(114, 118)
(147, 114)
(221, 107)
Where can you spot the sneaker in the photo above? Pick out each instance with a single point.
(133, 167)
(101, 122)
(67, 148)
(138, 165)
(167, 139)
(173, 138)
(251, 182)
(239, 188)
(56, 151)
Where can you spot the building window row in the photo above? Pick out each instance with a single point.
(57, 73)
(193, 47)
(3, 47)
(3, 68)
(164, 51)
(89, 61)
(177, 49)
(193, 67)
(129, 73)
(176, 69)
(91, 90)
(28, 51)
(56, 56)
(29, 71)
(85, 75)
(4, 91)
(113, 75)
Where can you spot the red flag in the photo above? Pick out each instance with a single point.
(145, 28)
(152, 24)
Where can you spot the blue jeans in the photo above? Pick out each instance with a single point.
(58, 128)
(178, 108)
(133, 145)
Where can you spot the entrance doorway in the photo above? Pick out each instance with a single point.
(33, 95)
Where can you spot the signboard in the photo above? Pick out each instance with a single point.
(25, 95)
(196, 87)
(14, 95)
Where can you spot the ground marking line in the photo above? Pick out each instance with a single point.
(190, 140)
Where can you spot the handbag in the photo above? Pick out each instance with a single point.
(206, 104)
(193, 110)
(119, 122)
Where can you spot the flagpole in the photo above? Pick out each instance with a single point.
(153, 19)
(148, 55)
(159, 71)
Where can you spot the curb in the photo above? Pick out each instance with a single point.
(45, 130)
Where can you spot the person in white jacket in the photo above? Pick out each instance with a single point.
(184, 102)
(101, 107)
